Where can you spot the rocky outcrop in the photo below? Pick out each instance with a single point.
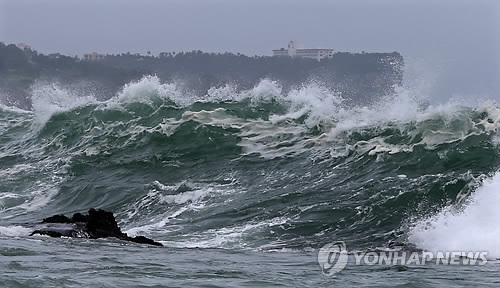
(97, 224)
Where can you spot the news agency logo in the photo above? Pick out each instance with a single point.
(333, 258)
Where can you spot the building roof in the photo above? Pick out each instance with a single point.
(23, 46)
(308, 49)
(315, 49)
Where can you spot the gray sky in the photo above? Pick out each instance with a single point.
(452, 45)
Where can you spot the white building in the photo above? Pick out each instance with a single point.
(93, 57)
(293, 51)
(23, 46)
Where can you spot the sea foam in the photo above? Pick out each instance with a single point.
(474, 228)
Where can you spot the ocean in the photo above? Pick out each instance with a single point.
(244, 187)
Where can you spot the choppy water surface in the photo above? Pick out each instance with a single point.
(244, 187)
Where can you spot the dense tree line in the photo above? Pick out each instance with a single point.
(359, 76)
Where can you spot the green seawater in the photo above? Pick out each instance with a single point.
(244, 188)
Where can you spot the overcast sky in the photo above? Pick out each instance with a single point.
(452, 44)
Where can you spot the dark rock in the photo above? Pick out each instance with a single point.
(102, 224)
(63, 229)
(48, 233)
(143, 240)
(77, 217)
(97, 224)
(57, 219)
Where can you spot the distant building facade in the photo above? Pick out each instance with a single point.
(93, 56)
(23, 46)
(293, 51)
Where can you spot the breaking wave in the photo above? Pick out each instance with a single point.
(259, 168)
